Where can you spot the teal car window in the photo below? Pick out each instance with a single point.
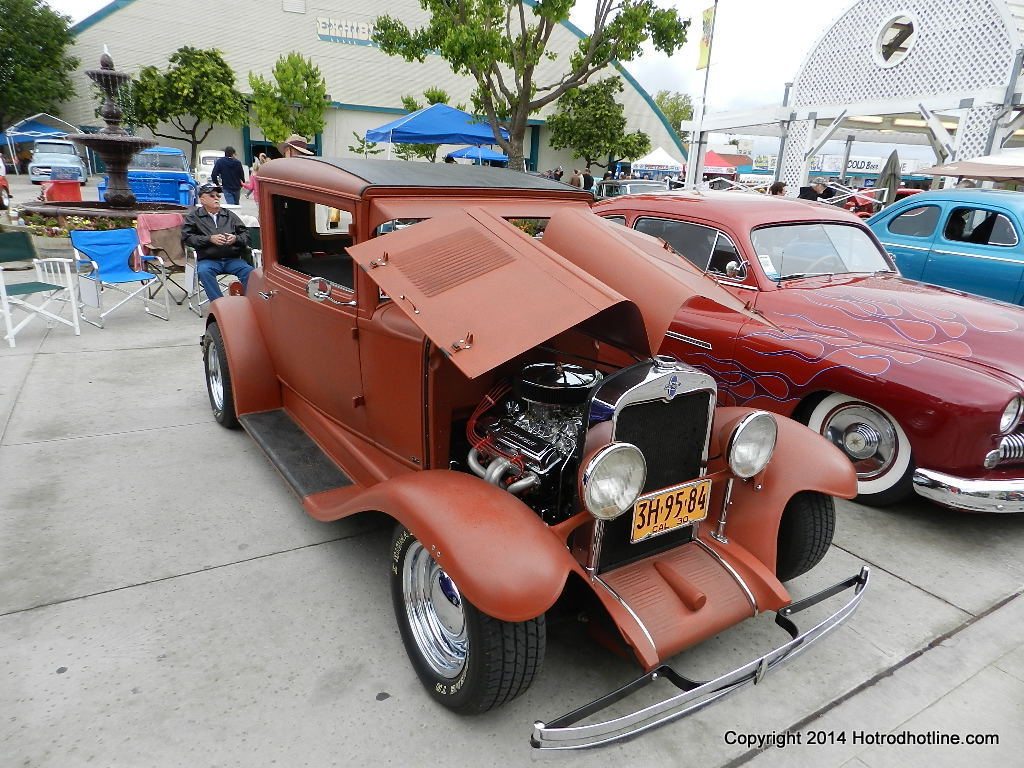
(917, 222)
(979, 226)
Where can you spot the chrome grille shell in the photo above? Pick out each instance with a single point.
(682, 399)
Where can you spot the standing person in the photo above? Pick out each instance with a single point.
(294, 146)
(588, 180)
(228, 174)
(576, 180)
(777, 188)
(258, 162)
(219, 238)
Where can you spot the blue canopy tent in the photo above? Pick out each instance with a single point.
(481, 154)
(436, 124)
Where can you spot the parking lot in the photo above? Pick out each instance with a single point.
(165, 600)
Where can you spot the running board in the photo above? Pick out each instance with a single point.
(300, 461)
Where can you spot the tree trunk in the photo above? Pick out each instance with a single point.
(516, 159)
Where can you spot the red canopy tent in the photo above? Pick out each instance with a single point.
(717, 165)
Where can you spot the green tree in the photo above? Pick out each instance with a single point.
(501, 43)
(593, 125)
(677, 107)
(196, 93)
(34, 65)
(364, 147)
(294, 102)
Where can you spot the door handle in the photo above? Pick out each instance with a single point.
(267, 295)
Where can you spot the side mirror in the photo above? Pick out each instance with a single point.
(737, 270)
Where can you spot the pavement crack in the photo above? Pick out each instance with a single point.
(889, 671)
(896, 576)
(206, 569)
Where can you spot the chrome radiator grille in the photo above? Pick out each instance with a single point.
(672, 436)
(1011, 447)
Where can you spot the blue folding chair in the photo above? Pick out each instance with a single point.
(110, 253)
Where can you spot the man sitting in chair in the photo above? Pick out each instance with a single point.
(220, 240)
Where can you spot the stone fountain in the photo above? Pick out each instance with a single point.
(115, 146)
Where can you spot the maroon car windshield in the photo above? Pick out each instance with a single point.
(790, 251)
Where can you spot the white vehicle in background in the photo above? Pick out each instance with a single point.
(51, 154)
(204, 166)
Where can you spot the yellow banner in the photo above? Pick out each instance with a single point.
(705, 38)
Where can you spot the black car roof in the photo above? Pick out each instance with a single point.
(399, 173)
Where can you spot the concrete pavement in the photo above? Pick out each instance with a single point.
(165, 601)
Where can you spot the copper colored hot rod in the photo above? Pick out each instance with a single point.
(477, 363)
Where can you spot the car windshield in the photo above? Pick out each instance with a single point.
(55, 149)
(159, 161)
(789, 251)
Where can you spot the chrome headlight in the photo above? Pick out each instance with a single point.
(612, 480)
(752, 444)
(1011, 415)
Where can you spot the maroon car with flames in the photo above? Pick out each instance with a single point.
(921, 387)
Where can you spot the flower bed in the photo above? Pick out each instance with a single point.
(59, 226)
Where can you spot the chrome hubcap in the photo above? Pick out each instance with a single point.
(866, 436)
(861, 441)
(434, 608)
(214, 377)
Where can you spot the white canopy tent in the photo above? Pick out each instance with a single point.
(658, 161)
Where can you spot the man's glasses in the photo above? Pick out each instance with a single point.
(213, 194)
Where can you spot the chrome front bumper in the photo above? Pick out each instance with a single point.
(565, 732)
(970, 495)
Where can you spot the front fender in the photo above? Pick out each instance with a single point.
(503, 558)
(253, 380)
(803, 461)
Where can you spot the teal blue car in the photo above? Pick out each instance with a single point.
(968, 239)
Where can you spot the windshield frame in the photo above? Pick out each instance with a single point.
(783, 272)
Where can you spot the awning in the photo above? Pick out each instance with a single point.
(1007, 165)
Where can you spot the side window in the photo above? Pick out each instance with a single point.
(724, 253)
(616, 219)
(312, 239)
(917, 222)
(979, 226)
(691, 240)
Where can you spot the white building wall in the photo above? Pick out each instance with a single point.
(252, 35)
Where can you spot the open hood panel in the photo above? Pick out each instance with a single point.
(640, 267)
(483, 291)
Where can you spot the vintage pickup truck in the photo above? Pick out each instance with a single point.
(469, 351)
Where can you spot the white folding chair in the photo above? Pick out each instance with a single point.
(54, 283)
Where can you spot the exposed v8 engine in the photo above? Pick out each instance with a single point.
(530, 445)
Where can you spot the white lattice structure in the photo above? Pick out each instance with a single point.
(903, 61)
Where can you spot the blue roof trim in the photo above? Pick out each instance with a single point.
(394, 110)
(632, 81)
(117, 5)
(101, 14)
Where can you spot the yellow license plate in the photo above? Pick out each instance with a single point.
(666, 510)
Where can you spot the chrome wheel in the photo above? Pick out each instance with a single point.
(872, 440)
(5, 199)
(214, 378)
(435, 613)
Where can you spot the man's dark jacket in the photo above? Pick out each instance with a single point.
(198, 227)
(228, 173)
